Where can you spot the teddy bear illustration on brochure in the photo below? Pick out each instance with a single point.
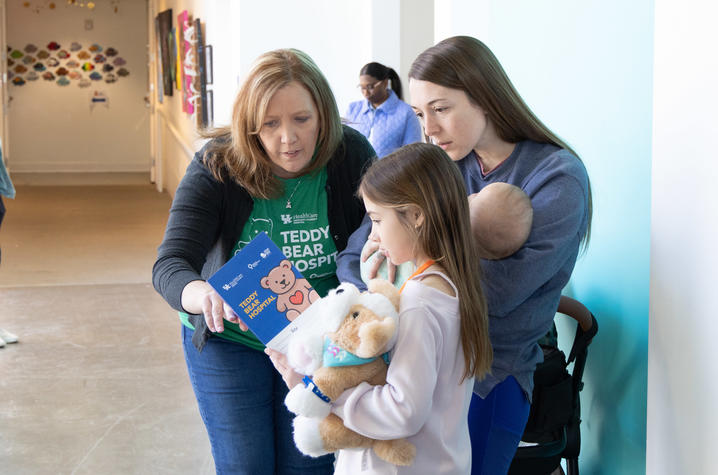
(294, 295)
(347, 343)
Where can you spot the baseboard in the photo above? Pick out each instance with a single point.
(78, 178)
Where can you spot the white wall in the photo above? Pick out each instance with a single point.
(683, 354)
(340, 36)
(416, 33)
(585, 68)
(52, 128)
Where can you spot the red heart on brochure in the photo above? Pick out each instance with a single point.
(297, 298)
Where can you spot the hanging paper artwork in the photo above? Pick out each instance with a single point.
(64, 66)
(190, 69)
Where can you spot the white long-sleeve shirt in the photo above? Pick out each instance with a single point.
(422, 399)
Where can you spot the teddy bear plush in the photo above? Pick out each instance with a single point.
(339, 355)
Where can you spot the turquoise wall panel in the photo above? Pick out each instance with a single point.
(586, 70)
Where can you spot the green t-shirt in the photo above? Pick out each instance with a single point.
(301, 231)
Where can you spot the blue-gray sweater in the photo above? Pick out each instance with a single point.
(522, 290)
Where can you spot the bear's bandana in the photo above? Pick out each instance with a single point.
(334, 355)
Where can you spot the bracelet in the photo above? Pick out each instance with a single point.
(308, 381)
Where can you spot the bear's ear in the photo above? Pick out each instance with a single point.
(387, 289)
(265, 282)
(286, 264)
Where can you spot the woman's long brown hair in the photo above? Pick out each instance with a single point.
(465, 63)
(422, 176)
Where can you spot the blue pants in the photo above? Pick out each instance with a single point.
(495, 426)
(241, 400)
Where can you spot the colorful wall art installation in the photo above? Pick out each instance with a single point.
(66, 64)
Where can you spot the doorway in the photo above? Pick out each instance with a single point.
(75, 88)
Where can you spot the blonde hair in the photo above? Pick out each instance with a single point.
(465, 63)
(422, 176)
(238, 154)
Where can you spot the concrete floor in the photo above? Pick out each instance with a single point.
(97, 383)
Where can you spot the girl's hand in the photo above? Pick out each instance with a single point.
(371, 248)
(279, 360)
(199, 297)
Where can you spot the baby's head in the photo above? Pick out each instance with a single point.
(501, 217)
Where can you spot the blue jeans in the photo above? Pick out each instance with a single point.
(241, 400)
(496, 425)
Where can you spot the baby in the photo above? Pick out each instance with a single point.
(501, 218)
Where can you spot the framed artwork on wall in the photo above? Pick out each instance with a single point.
(164, 20)
(202, 118)
(210, 108)
(208, 64)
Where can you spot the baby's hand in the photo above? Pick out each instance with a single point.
(369, 248)
(370, 252)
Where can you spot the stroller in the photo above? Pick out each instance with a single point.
(553, 429)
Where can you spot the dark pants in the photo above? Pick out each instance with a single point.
(241, 400)
(496, 425)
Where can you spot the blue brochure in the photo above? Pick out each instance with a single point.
(265, 290)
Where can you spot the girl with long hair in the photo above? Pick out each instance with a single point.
(416, 200)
